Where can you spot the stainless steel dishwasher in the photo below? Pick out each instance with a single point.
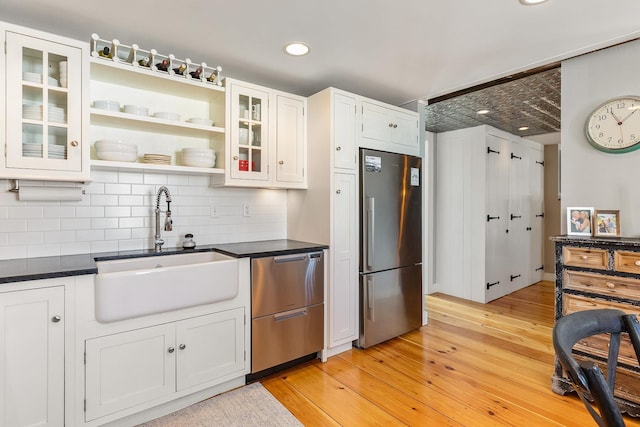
(287, 308)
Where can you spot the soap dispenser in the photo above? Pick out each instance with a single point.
(188, 242)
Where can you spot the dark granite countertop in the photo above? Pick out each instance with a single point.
(597, 240)
(23, 269)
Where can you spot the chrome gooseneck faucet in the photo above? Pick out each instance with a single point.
(168, 222)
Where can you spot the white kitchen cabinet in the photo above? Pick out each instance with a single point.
(328, 212)
(536, 212)
(343, 296)
(389, 128)
(485, 240)
(32, 384)
(135, 367)
(45, 118)
(191, 100)
(266, 141)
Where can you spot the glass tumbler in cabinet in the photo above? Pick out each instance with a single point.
(44, 111)
(248, 134)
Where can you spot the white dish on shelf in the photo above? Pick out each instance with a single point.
(32, 77)
(200, 121)
(53, 82)
(136, 109)
(115, 145)
(107, 105)
(117, 156)
(167, 116)
(198, 157)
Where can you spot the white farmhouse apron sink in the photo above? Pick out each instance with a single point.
(134, 287)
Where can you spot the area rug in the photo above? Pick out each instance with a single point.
(251, 405)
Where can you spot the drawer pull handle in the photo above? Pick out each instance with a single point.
(584, 257)
(290, 315)
(610, 285)
(637, 263)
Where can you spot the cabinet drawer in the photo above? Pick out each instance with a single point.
(584, 257)
(628, 262)
(598, 345)
(286, 336)
(620, 287)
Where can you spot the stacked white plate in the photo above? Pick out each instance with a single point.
(32, 77)
(56, 113)
(157, 159)
(136, 109)
(32, 112)
(167, 116)
(116, 150)
(35, 150)
(53, 82)
(200, 121)
(198, 157)
(107, 105)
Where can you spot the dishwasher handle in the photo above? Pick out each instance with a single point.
(291, 314)
(289, 258)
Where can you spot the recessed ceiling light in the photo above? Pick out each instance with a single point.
(523, 128)
(296, 49)
(482, 112)
(531, 2)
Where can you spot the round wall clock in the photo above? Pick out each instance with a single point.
(614, 126)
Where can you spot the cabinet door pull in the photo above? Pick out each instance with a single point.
(489, 151)
(515, 217)
(610, 285)
(74, 143)
(637, 263)
(338, 191)
(338, 148)
(529, 229)
(182, 346)
(171, 349)
(281, 162)
(513, 156)
(56, 319)
(489, 217)
(584, 257)
(390, 125)
(515, 277)
(395, 125)
(235, 157)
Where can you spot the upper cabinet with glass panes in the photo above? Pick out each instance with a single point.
(44, 107)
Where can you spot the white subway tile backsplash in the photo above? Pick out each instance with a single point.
(117, 213)
(43, 224)
(117, 188)
(104, 200)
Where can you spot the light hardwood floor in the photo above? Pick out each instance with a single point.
(472, 365)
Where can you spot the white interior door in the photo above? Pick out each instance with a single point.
(536, 197)
(519, 235)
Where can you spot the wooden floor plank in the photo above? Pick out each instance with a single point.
(473, 365)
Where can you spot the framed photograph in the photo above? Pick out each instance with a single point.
(579, 221)
(606, 223)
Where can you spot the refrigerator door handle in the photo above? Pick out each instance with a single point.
(371, 225)
(370, 300)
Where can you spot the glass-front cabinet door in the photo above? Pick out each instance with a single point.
(44, 104)
(249, 131)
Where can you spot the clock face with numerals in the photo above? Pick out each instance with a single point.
(614, 126)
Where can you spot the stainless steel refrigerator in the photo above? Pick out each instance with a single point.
(390, 245)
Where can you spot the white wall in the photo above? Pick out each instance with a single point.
(590, 177)
(117, 214)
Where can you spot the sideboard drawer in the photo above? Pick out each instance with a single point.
(625, 261)
(598, 345)
(620, 287)
(585, 257)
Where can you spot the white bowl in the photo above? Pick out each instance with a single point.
(136, 109)
(200, 121)
(117, 156)
(32, 77)
(197, 150)
(199, 161)
(107, 105)
(116, 146)
(167, 116)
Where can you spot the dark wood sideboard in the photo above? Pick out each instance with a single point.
(596, 272)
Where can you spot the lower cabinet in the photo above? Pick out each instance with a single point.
(32, 357)
(134, 367)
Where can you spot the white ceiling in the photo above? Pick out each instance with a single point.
(395, 51)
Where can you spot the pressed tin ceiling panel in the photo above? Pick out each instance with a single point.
(532, 101)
